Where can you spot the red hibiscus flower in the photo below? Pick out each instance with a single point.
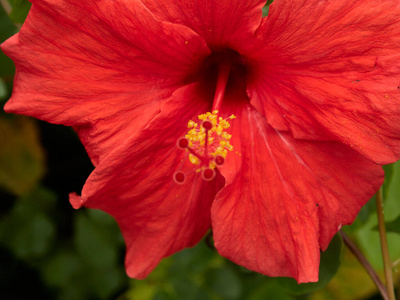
(314, 88)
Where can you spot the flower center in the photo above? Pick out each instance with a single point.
(207, 145)
(207, 141)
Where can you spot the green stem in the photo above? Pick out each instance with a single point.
(387, 264)
(364, 262)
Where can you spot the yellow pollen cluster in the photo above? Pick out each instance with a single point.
(217, 138)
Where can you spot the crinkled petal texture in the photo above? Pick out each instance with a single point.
(334, 76)
(284, 198)
(135, 185)
(100, 66)
(222, 23)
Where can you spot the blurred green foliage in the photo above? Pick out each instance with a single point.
(21, 155)
(20, 9)
(50, 251)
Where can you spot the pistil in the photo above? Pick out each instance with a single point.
(224, 70)
(208, 144)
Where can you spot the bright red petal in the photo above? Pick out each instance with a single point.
(284, 198)
(135, 185)
(95, 64)
(221, 23)
(334, 76)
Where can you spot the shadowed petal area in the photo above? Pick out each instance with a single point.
(100, 65)
(222, 23)
(134, 184)
(334, 76)
(284, 199)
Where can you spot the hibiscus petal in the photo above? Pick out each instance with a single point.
(135, 185)
(284, 199)
(221, 23)
(96, 63)
(334, 76)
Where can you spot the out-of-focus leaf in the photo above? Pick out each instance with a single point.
(92, 244)
(21, 155)
(269, 291)
(3, 89)
(20, 9)
(61, 271)
(7, 29)
(187, 288)
(365, 213)
(330, 262)
(392, 195)
(389, 172)
(160, 295)
(90, 267)
(392, 226)
(61, 268)
(224, 283)
(195, 260)
(27, 230)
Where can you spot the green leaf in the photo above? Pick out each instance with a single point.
(389, 172)
(61, 268)
(186, 288)
(224, 283)
(20, 9)
(88, 268)
(27, 230)
(330, 261)
(392, 226)
(91, 243)
(3, 89)
(195, 260)
(7, 29)
(365, 213)
(269, 291)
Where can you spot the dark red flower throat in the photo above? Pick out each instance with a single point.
(223, 70)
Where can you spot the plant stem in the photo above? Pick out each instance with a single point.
(387, 264)
(367, 266)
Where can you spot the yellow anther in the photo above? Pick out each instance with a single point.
(193, 159)
(192, 124)
(226, 135)
(216, 136)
